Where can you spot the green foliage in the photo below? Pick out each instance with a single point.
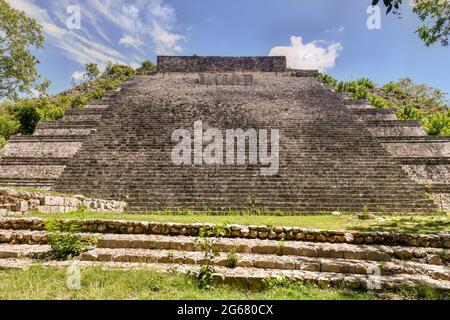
(379, 102)
(8, 124)
(409, 113)
(65, 240)
(149, 65)
(2, 142)
(119, 71)
(205, 240)
(97, 94)
(437, 124)
(29, 118)
(327, 79)
(92, 71)
(18, 35)
(232, 259)
(365, 82)
(435, 14)
(78, 102)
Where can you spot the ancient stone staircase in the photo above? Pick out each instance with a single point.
(40, 159)
(329, 161)
(425, 158)
(319, 259)
(336, 154)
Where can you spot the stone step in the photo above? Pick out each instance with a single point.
(254, 278)
(23, 251)
(341, 251)
(267, 261)
(48, 138)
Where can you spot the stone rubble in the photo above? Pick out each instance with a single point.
(19, 203)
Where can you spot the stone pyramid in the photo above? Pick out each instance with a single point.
(335, 154)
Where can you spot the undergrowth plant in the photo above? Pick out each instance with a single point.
(66, 241)
(207, 240)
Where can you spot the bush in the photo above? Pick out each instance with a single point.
(409, 113)
(149, 65)
(437, 124)
(119, 71)
(78, 102)
(327, 79)
(29, 118)
(8, 125)
(92, 70)
(365, 82)
(65, 242)
(379, 103)
(97, 94)
(360, 93)
(2, 142)
(340, 87)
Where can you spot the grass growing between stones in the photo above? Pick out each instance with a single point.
(404, 223)
(43, 283)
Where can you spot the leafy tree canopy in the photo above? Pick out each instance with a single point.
(435, 14)
(18, 34)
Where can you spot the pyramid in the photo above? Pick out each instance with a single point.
(332, 153)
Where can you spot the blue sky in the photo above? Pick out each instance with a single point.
(326, 34)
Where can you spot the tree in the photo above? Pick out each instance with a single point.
(435, 14)
(148, 65)
(92, 71)
(29, 118)
(18, 34)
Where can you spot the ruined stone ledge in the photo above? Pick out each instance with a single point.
(16, 203)
(438, 240)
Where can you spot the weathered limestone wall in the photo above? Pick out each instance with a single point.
(221, 64)
(15, 203)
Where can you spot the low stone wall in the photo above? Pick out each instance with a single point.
(15, 203)
(299, 73)
(248, 232)
(221, 64)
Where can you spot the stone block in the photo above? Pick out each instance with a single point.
(22, 206)
(44, 209)
(52, 201)
(71, 202)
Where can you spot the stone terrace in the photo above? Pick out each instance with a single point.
(322, 257)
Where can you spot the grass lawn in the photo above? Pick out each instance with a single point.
(44, 283)
(409, 223)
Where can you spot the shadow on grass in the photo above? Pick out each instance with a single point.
(409, 226)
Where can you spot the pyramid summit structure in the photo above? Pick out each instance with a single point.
(332, 153)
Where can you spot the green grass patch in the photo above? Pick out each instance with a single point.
(405, 223)
(48, 283)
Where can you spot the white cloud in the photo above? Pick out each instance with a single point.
(129, 41)
(78, 76)
(338, 29)
(146, 25)
(309, 55)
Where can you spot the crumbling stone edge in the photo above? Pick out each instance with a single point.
(15, 203)
(438, 240)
